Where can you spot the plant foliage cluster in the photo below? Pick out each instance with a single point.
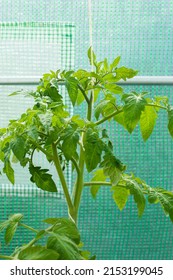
(49, 128)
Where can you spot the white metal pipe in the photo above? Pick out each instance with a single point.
(152, 80)
(140, 80)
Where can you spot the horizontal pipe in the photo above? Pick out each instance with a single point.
(149, 80)
(141, 80)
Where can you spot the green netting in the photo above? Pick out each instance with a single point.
(141, 32)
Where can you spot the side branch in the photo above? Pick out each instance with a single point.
(75, 165)
(108, 117)
(98, 183)
(157, 106)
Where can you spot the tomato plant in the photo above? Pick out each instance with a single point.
(49, 128)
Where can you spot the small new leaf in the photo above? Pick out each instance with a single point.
(92, 57)
(115, 63)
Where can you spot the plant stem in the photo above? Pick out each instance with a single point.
(84, 94)
(90, 106)
(108, 117)
(121, 110)
(97, 183)
(32, 242)
(28, 227)
(155, 105)
(6, 257)
(79, 183)
(75, 165)
(63, 182)
(42, 150)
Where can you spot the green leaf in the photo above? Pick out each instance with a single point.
(53, 93)
(3, 225)
(100, 107)
(64, 238)
(98, 176)
(16, 217)
(26, 93)
(71, 84)
(46, 120)
(147, 121)
(114, 88)
(80, 98)
(96, 92)
(42, 179)
(161, 101)
(113, 168)
(2, 131)
(134, 105)
(120, 196)
(164, 197)
(8, 170)
(106, 66)
(64, 226)
(125, 73)
(64, 246)
(115, 63)
(119, 118)
(106, 106)
(11, 226)
(93, 149)
(18, 147)
(38, 253)
(92, 56)
(70, 139)
(10, 231)
(137, 192)
(78, 120)
(170, 120)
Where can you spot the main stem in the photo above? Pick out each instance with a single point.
(80, 183)
(71, 210)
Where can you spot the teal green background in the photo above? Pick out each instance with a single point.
(141, 32)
